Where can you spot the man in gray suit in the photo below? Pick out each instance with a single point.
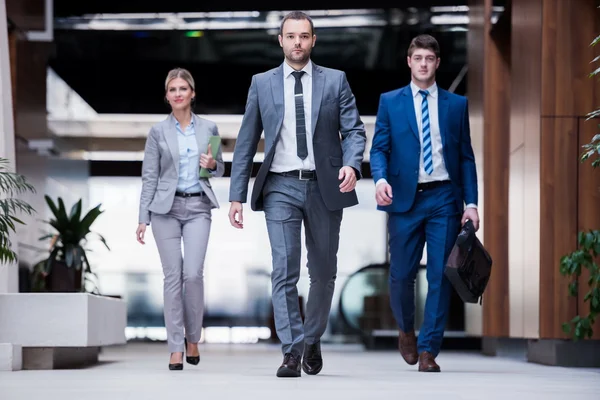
(308, 175)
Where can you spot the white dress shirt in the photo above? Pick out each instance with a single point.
(286, 157)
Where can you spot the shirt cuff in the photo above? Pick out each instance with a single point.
(472, 205)
(381, 180)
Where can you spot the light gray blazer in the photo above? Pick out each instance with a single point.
(339, 137)
(160, 168)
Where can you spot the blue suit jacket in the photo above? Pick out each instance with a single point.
(396, 148)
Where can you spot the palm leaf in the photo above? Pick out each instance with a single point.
(7, 255)
(89, 219)
(75, 212)
(69, 255)
(12, 183)
(6, 224)
(50, 259)
(62, 212)
(17, 220)
(86, 263)
(103, 241)
(593, 114)
(52, 206)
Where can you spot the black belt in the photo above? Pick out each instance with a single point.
(180, 194)
(301, 174)
(431, 185)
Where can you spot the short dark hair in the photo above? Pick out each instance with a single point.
(426, 42)
(297, 15)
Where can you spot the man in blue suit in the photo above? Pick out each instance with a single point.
(423, 167)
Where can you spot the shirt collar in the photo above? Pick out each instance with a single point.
(432, 89)
(287, 70)
(177, 124)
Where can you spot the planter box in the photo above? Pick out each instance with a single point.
(564, 353)
(10, 357)
(60, 330)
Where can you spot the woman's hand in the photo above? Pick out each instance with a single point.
(140, 232)
(207, 161)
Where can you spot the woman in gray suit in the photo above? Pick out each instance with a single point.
(179, 200)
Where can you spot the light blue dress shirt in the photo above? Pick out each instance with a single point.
(189, 160)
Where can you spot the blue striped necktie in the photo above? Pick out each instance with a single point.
(427, 153)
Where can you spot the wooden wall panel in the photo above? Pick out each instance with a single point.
(30, 99)
(496, 174)
(26, 14)
(588, 205)
(568, 94)
(568, 29)
(12, 54)
(559, 171)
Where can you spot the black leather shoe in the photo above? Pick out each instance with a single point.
(176, 367)
(312, 363)
(290, 368)
(194, 360)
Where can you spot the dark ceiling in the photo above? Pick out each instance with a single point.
(122, 71)
(63, 8)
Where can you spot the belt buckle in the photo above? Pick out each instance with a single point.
(301, 177)
(187, 194)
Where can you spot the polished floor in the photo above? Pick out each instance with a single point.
(139, 371)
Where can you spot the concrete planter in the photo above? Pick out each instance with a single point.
(60, 330)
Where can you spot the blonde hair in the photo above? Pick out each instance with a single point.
(180, 73)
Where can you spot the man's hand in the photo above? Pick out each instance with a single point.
(140, 232)
(349, 179)
(207, 161)
(473, 215)
(236, 215)
(383, 194)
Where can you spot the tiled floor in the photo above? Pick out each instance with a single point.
(236, 372)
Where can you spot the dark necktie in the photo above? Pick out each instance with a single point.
(302, 147)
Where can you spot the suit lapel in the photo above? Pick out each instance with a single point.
(277, 91)
(408, 103)
(318, 84)
(443, 103)
(171, 139)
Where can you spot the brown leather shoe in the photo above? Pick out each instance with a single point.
(427, 362)
(407, 344)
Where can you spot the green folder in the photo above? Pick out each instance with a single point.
(215, 142)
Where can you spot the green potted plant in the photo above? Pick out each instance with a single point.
(581, 326)
(11, 184)
(67, 268)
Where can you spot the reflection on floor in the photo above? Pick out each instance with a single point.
(139, 371)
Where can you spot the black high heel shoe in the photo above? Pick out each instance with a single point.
(194, 360)
(176, 366)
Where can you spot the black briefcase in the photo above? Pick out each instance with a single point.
(469, 265)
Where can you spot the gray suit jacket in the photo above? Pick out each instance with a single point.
(333, 114)
(160, 169)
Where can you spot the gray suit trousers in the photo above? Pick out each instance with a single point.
(288, 202)
(190, 219)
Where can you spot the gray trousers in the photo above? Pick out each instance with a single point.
(190, 219)
(288, 202)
